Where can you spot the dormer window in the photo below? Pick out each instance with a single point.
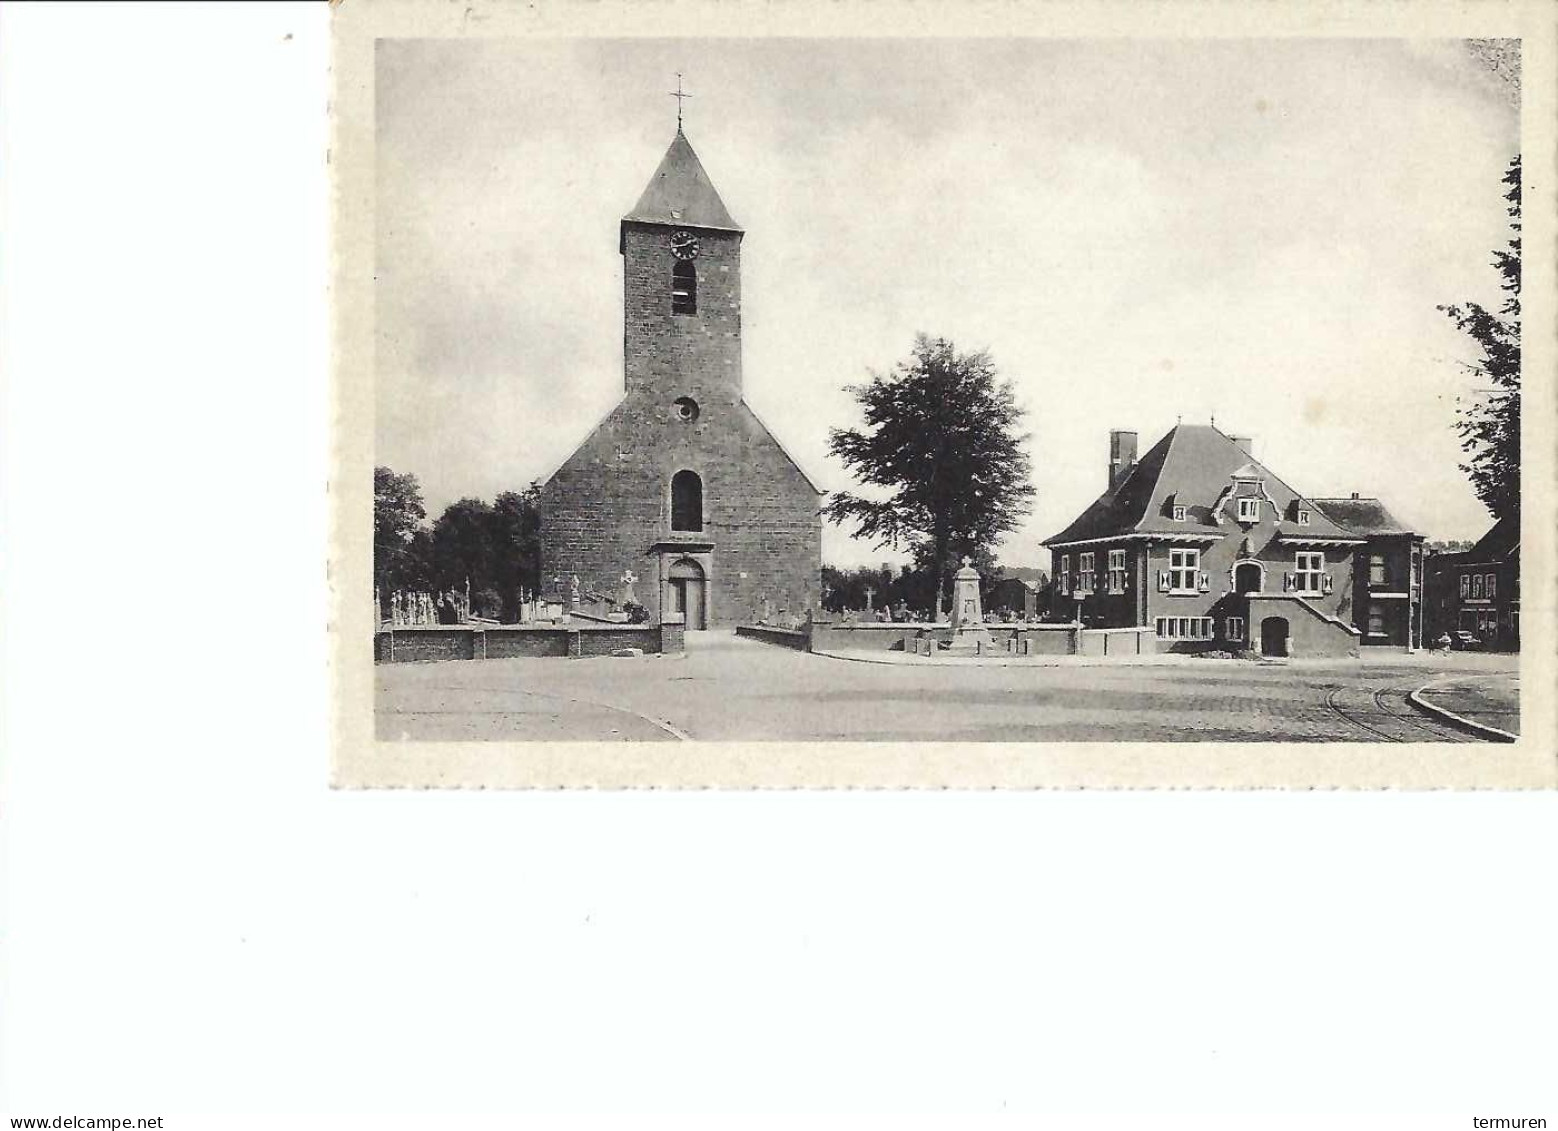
(684, 288)
(1249, 509)
(1179, 513)
(1303, 517)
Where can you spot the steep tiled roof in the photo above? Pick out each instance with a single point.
(1361, 516)
(680, 192)
(1191, 467)
(1117, 511)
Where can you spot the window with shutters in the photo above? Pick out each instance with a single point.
(1308, 571)
(1183, 566)
(1249, 508)
(1117, 571)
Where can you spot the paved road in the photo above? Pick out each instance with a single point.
(727, 688)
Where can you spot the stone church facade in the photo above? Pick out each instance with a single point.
(682, 484)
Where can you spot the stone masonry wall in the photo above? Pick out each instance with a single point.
(610, 503)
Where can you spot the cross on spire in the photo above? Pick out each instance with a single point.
(679, 95)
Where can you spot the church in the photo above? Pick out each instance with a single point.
(681, 486)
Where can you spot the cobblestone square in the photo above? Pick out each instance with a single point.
(728, 688)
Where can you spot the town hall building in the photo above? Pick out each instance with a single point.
(682, 486)
(1206, 545)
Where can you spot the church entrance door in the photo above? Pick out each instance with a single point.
(687, 595)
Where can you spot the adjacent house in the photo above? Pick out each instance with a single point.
(1477, 591)
(1387, 572)
(1201, 541)
(1019, 596)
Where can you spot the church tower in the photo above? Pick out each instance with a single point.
(681, 267)
(682, 484)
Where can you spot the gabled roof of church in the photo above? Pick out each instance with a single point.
(680, 192)
(1191, 467)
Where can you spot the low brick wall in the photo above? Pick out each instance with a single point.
(866, 636)
(1141, 641)
(495, 642)
(1016, 639)
(424, 642)
(1035, 639)
(505, 643)
(1008, 639)
(797, 638)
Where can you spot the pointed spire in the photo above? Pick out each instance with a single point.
(680, 192)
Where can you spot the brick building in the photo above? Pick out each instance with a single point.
(681, 483)
(1019, 596)
(1202, 542)
(1387, 572)
(1478, 590)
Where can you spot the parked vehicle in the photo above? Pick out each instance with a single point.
(1466, 641)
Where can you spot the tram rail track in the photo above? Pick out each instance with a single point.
(1386, 722)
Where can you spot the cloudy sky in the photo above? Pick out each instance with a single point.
(1138, 231)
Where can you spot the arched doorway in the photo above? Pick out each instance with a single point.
(1274, 636)
(1249, 577)
(685, 595)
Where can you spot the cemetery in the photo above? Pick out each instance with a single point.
(424, 626)
(569, 623)
(966, 632)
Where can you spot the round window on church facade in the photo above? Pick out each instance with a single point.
(686, 409)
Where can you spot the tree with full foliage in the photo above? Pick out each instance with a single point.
(1489, 424)
(516, 546)
(463, 548)
(401, 557)
(495, 548)
(941, 440)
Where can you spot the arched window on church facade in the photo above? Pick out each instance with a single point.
(684, 288)
(686, 501)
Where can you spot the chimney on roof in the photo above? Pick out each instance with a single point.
(1122, 456)
(1355, 494)
(1246, 445)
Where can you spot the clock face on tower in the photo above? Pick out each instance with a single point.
(684, 245)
